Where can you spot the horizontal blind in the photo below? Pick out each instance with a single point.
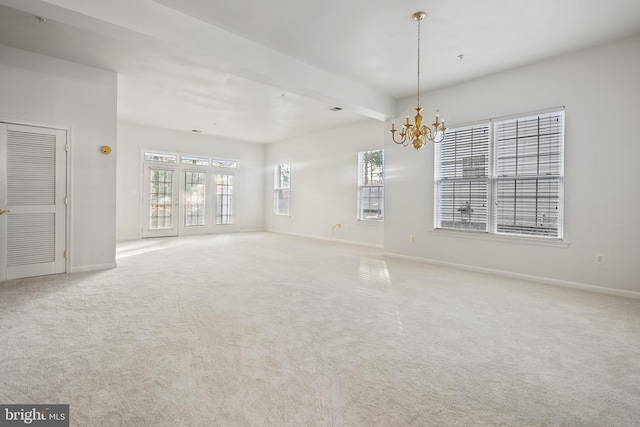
(462, 178)
(529, 173)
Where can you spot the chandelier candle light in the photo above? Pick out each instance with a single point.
(418, 133)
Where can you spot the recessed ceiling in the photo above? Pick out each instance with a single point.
(266, 71)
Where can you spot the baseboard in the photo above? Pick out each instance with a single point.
(127, 238)
(327, 239)
(537, 279)
(95, 267)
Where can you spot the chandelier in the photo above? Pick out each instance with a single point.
(416, 132)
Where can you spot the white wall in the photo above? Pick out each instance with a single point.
(601, 92)
(47, 91)
(249, 208)
(324, 176)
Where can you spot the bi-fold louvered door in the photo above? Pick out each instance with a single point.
(32, 198)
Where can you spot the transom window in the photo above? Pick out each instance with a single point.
(504, 177)
(160, 157)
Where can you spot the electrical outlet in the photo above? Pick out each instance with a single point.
(598, 259)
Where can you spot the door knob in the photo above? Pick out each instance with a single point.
(1, 211)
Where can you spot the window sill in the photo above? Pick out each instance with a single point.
(373, 222)
(558, 243)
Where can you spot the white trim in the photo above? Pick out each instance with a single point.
(94, 267)
(371, 222)
(529, 113)
(536, 241)
(537, 279)
(508, 117)
(127, 238)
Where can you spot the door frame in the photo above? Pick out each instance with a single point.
(173, 160)
(146, 202)
(209, 202)
(68, 234)
(224, 228)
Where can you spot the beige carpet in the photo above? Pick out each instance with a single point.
(269, 330)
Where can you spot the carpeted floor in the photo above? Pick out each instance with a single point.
(261, 329)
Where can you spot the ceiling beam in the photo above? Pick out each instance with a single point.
(148, 21)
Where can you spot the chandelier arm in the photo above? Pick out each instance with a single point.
(403, 141)
(429, 134)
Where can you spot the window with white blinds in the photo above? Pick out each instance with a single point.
(529, 174)
(371, 185)
(282, 189)
(462, 178)
(504, 177)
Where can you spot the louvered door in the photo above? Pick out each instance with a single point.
(32, 195)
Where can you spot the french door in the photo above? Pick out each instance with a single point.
(161, 201)
(33, 168)
(197, 206)
(187, 200)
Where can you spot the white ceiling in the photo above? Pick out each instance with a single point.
(263, 71)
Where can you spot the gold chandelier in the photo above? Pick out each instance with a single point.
(417, 133)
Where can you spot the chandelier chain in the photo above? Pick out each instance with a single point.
(418, 88)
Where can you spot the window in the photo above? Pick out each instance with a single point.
(371, 185)
(200, 188)
(282, 189)
(194, 198)
(161, 199)
(160, 157)
(195, 161)
(224, 199)
(462, 180)
(220, 163)
(503, 177)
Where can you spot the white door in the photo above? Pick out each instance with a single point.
(224, 184)
(196, 206)
(160, 201)
(33, 167)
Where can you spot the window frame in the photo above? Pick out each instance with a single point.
(493, 181)
(281, 187)
(225, 199)
(362, 187)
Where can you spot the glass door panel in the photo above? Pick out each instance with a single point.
(194, 199)
(224, 197)
(161, 202)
